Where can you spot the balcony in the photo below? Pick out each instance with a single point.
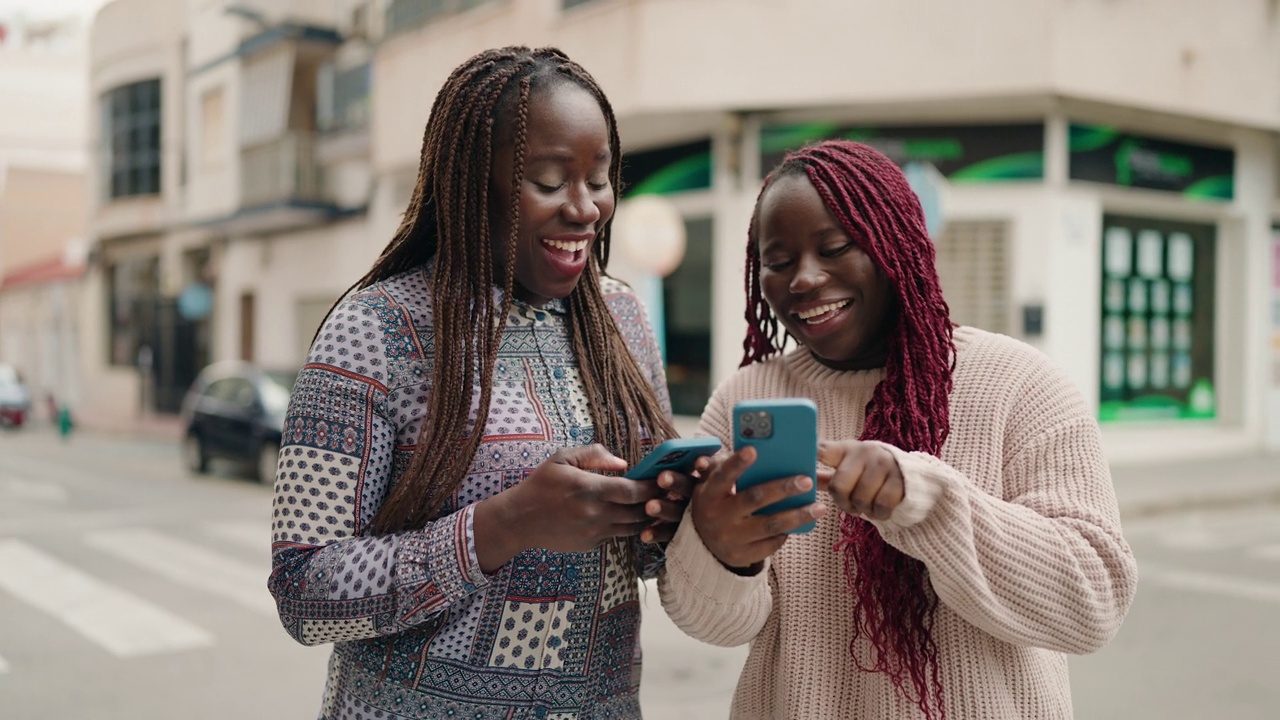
(280, 171)
(281, 186)
(407, 14)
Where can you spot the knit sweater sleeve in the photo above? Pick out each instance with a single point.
(703, 598)
(331, 580)
(1043, 564)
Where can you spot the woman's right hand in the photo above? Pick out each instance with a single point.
(565, 506)
(725, 518)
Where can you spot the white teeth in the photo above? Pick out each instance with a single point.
(573, 246)
(821, 310)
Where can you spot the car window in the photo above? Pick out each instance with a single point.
(243, 393)
(275, 393)
(224, 389)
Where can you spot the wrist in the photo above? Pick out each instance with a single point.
(497, 532)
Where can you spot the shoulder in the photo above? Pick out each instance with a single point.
(986, 356)
(1031, 386)
(621, 300)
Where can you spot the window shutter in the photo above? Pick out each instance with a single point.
(973, 265)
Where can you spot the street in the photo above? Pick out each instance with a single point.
(130, 589)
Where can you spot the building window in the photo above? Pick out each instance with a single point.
(213, 129)
(1157, 320)
(131, 131)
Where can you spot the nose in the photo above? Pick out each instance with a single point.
(809, 276)
(580, 207)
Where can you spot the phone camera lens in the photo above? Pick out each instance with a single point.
(747, 418)
(748, 432)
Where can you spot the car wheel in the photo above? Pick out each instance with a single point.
(268, 462)
(197, 460)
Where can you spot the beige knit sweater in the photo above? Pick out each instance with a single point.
(1017, 524)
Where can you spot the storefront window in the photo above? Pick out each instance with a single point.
(686, 301)
(1157, 320)
(133, 287)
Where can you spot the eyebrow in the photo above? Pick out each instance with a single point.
(564, 157)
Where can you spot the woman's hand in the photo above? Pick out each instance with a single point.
(865, 479)
(668, 509)
(739, 539)
(563, 506)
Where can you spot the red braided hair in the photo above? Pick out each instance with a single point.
(869, 197)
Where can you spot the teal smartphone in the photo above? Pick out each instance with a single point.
(784, 433)
(678, 454)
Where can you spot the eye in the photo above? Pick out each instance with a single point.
(547, 187)
(598, 186)
(836, 250)
(776, 265)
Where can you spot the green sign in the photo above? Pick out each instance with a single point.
(665, 170)
(962, 153)
(1157, 355)
(1107, 155)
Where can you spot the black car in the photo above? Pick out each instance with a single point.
(235, 410)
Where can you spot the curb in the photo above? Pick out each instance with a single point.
(1216, 501)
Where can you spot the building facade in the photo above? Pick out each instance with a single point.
(43, 158)
(1104, 173)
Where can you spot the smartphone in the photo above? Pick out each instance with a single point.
(784, 433)
(678, 454)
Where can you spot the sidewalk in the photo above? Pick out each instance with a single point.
(1157, 489)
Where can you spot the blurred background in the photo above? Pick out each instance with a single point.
(186, 186)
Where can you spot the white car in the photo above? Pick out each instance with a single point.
(15, 398)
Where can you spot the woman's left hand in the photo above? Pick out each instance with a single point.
(668, 509)
(866, 479)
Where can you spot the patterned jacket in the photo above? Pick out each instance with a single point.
(419, 631)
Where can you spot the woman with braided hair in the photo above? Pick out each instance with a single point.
(969, 536)
(448, 512)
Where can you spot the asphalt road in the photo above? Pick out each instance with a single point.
(130, 589)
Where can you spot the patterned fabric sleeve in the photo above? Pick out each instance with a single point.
(635, 327)
(331, 582)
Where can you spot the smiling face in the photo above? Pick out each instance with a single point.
(820, 285)
(566, 195)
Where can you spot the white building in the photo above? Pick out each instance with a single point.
(1112, 168)
(43, 158)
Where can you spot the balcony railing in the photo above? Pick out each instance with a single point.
(281, 170)
(407, 14)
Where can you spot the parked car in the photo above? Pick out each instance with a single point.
(15, 398)
(235, 410)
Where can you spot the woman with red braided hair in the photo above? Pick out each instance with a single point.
(969, 536)
(448, 514)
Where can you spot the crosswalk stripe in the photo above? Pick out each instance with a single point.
(189, 565)
(1265, 552)
(123, 624)
(37, 490)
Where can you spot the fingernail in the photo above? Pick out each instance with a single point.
(817, 511)
(646, 535)
(804, 482)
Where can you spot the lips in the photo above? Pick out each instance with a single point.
(820, 317)
(567, 254)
